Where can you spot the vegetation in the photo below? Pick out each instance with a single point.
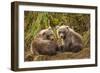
(36, 21)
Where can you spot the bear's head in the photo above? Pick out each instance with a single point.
(46, 34)
(62, 31)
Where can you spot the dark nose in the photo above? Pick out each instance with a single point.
(52, 39)
(62, 36)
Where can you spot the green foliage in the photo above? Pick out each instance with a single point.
(86, 39)
(36, 21)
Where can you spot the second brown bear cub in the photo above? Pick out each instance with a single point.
(72, 41)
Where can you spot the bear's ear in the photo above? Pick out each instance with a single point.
(57, 27)
(67, 27)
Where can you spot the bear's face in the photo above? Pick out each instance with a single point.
(62, 31)
(47, 34)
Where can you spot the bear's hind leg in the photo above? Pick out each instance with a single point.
(76, 48)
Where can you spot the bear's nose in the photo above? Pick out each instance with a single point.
(52, 39)
(61, 35)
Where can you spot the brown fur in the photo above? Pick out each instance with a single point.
(72, 40)
(43, 46)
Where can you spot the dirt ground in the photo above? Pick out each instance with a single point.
(85, 53)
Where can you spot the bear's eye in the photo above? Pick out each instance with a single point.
(48, 36)
(44, 33)
(61, 32)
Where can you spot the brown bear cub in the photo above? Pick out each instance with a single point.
(44, 43)
(72, 41)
